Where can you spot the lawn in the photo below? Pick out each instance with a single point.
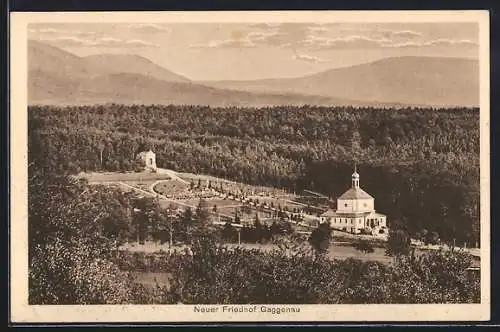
(172, 188)
(96, 177)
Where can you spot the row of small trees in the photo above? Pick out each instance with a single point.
(73, 260)
(257, 233)
(399, 241)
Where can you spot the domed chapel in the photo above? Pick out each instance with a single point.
(355, 211)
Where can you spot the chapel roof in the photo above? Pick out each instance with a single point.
(355, 193)
(144, 153)
(329, 213)
(367, 214)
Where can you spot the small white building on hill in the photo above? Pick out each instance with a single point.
(356, 211)
(148, 159)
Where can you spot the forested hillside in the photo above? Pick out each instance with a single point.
(73, 260)
(421, 165)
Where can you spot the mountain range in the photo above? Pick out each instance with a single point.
(59, 77)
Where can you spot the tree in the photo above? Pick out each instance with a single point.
(228, 232)
(169, 225)
(258, 233)
(275, 228)
(202, 214)
(187, 223)
(320, 239)
(398, 243)
(144, 217)
(364, 246)
(432, 238)
(424, 233)
(246, 209)
(70, 258)
(356, 144)
(434, 277)
(237, 219)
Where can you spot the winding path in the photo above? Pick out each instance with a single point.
(172, 174)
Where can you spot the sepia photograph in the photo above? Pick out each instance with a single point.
(250, 166)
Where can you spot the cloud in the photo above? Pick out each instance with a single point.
(54, 31)
(318, 37)
(264, 34)
(67, 40)
(312, 37)
(377, 33)
(265, 26)
(453, 42)
(307, 58)
(148, 28)
(230, 43)
(75, 41)
(248, 39)
(405, 34)
(45, 30)
(400, 39)
(138, 42)
(384, 33)
(317, 29)
(348, 42)
(261, 35)
(85, 33)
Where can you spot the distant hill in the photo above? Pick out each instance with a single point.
(130, 63)
(59, 77)
(407, 80)
(126, 88)
(50, 59)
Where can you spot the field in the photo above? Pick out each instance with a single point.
(150, 279)
(336, 250)
(129, 177)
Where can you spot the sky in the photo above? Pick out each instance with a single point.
(243, 51)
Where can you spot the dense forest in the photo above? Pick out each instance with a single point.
(421, 165)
